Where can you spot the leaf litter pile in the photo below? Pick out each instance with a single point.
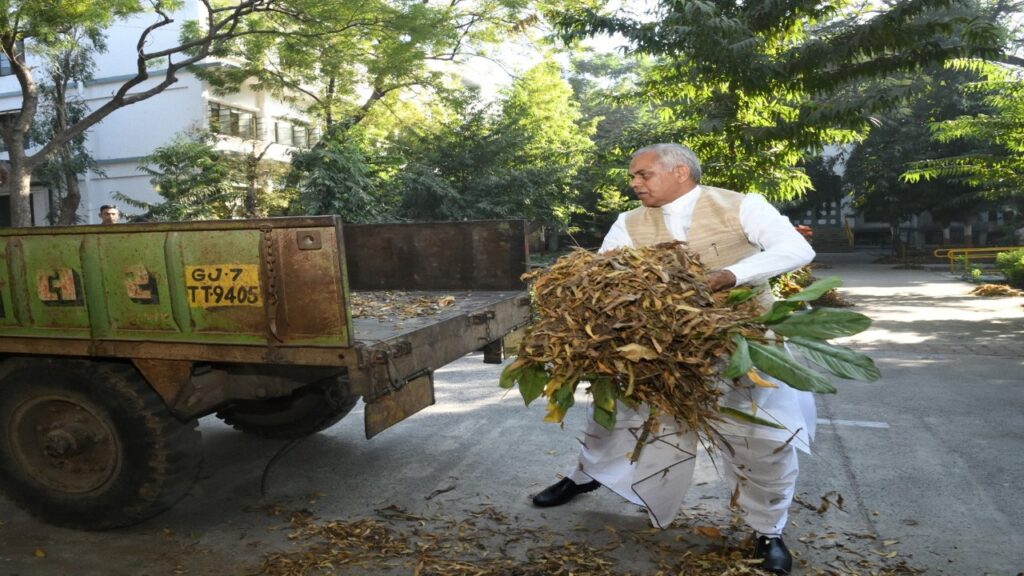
(389, 305)
(995, 290)
(642, 326)
(487, 542)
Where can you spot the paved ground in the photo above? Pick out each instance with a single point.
(920, 469)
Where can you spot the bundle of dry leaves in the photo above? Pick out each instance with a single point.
(640, 320)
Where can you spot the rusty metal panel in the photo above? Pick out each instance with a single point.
(222, 282)
(8, 316)
(310, 287)
(138, 287)
(390, 409)
(476, 255)
(53, 282)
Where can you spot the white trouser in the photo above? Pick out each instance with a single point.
(765, 469)
(766, 481)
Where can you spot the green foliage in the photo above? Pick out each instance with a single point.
(195, 180)
(334, 178)
(47, 22)
(809, 331)
(516, 164)
(541, 109)
(744, 417)
(989, 143)
(339, 60)
(530, 377)
(823, 323)
(605, 394)
(755, 87)
(876, 168)
(1011, 264)
(739, 361)
(67, 63)
(779, 364)
(839, 360)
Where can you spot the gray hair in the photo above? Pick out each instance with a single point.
(672, 155)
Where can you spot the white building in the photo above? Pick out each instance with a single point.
(133, 132)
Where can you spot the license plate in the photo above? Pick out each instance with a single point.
(223, 285)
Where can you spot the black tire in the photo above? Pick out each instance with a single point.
(306, 411)
(89, 445)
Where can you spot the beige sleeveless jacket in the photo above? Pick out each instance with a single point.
(715, 233)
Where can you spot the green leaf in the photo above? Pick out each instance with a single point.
(780, 311)
(740, 295)
(531, 377)
(532, 382)
(739, 360)
(839, 360)
(740, 415)
(823, 323)
(511, 373)
(777, 363)
(604, 417)
(604, 392)
(816, 290)
(563, 396)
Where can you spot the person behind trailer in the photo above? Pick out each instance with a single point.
(109, 214)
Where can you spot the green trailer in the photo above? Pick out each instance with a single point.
(115, 340)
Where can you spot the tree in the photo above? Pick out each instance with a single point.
(464, 168)
(67, 62)
(826, 187)
(541, 107)
(348, 57)
(519, 163)
(198, 181)
(334, 178)
(981, 150)
(875, 168)
(195, 180)
(755, 87)
(43, 25)
(601, 83)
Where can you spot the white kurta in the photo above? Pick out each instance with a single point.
(661, 476)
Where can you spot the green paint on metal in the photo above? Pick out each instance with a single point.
(176, 288)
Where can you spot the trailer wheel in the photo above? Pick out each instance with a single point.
(306, 411)
(89, 445)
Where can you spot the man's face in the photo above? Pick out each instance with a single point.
(109, 215)
(656, 185)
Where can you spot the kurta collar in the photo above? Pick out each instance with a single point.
(684, 204)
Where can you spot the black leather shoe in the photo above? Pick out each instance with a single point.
(774, 555)
(562, 491)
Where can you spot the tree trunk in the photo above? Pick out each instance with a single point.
(19, 185)
(68, 210)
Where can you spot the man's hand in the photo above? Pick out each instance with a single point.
(721, 280)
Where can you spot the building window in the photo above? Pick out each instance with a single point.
(233, 121)
(5, 62)
(283, 132)
(291, 133)
(300, 135)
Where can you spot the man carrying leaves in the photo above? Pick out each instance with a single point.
(742, 240)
